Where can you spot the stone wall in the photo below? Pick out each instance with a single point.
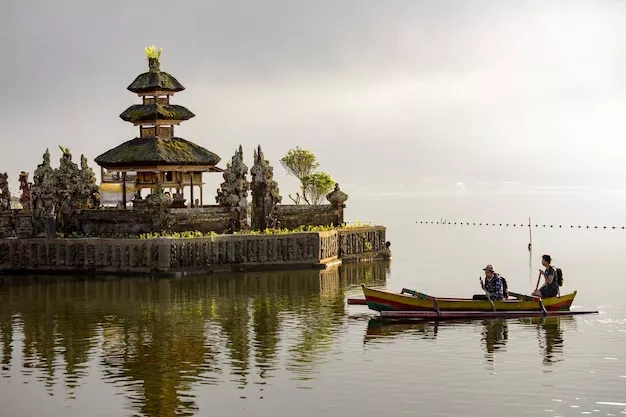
(23, 222)
(197, 255)
(293, 216)
(329, 248)
(111, 222)
(204, 219)
(6, 224)
(245, 251)
(117, 222)
(16, 223)
(362, 242)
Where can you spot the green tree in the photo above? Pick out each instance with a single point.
(299, 162)
(302, 164)
(315, 186)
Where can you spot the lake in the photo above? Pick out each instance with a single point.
(287, 343)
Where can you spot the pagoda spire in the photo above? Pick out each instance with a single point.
(155, 117)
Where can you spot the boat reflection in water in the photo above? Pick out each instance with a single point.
(494, 332)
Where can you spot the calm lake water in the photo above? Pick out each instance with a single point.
(287, 343)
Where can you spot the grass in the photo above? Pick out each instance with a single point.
(197, 234)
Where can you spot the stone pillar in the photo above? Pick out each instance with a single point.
(337, 198)
(163, 263)
(50, 225)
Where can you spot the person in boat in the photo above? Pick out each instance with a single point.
(550, 287)
(492, 285)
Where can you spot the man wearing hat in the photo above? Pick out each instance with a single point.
(492, 284)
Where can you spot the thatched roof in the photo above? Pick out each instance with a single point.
(149, 112)
(152, 151)
(155, 80)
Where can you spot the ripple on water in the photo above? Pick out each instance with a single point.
(166, 346)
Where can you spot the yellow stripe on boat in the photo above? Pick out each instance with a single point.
(381, 300)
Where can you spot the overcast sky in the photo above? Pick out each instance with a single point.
(404, 92)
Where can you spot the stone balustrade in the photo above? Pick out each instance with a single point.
(193, 255)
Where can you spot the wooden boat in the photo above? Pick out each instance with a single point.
(473, 315)
(409, 300)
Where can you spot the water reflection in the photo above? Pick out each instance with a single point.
(494, 333)
(550, 336)
(381, 329)
(157, 339)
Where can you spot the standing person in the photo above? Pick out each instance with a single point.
(492, 284)
(550, 287)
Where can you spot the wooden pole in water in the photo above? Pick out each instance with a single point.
(530, 233)
(530, 252)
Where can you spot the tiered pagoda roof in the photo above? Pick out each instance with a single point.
(141, 152)
(157, 147)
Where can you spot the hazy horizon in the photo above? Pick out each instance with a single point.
(417, 93)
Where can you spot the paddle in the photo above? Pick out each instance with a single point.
(530, 298)
(543, 308)
(523, 297)
(487, 293)
(538, 279)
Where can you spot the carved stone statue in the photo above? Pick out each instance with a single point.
(26, 199)
(5, 194)
(233, 191)
(265, 193)
(337, 199)
(159, 198)
(89, 194)
(67, 182)
(43, 192)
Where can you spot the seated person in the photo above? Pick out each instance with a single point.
(550, 287)
(492, 285)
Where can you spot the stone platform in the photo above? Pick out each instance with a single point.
(176, 257)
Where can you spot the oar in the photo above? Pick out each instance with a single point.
(543, 308)
(530, 298)
(416, 294)
(487, 293)
(522, 296)
(538, 279)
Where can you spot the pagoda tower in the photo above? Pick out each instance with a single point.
(160, 160)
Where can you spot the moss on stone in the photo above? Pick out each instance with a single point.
(156, 151)
(155, 80)
(148, 112)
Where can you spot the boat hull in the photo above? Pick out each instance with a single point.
(380, 300)
(473, 315)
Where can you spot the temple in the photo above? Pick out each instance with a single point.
(156, 160)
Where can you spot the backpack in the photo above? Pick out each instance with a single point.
(505, 287)
(559, 276)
